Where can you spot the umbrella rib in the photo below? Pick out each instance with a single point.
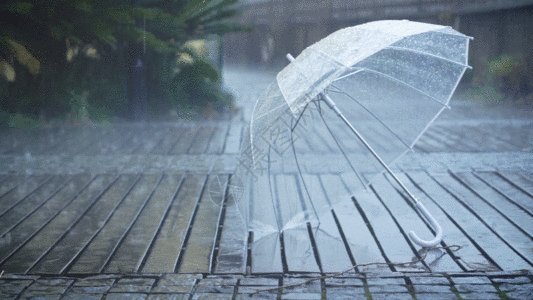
(408, 85)
(375, 117)
(428, 54)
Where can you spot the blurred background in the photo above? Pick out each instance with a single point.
(500, 54)
(91, 61)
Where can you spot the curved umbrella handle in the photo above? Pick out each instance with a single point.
(434, 242)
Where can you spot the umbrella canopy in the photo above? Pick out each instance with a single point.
(391, 79)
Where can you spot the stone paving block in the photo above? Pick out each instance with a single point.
(512, 287)
(258, 281)
(84, 296)
(257, 297)
(523, 291)
(168, 296)
(260, 289)
(429, 280)
(476, 288)
(8, 296)
(173, 289)
(178, 279)
(89, 289)
(300, 286)
(100, 280)
(37, 296)
(217, 281)
(13, 286)
(211, 296)
(517, 280)
(303, 296)
(388, 289)
(424, 288)
(50, 286)
(450, 296)
(395, 296)
(133, 285)
(224, 289)
(385, 281)
(335, 281)
(126, 296)
(471, 280)
(480, 296)
(345, 293)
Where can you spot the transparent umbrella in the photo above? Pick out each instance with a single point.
(350, 105)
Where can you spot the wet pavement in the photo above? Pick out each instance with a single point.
(469, 149)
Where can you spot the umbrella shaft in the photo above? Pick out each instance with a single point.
(339, 113)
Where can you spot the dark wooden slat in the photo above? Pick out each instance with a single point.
(9, 182)
(298, 249)
(76, 239)
(31, 203)
(495, 248)
(95, 256)
(266, 254)
(471, 258)
(129, 256)
(200, 143)
(522, 182)
(408, 219)
(11, 198)
(361, 242)
(232, 142)
(329, 243)
(197, 255)
(168, 140)
(216, 144)
(168, 244)
(519, 217)
(517, 196)
(31, 252)
(519, 241)
(392, 241)
(186, 139)
(232, 254)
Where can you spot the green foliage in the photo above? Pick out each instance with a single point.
(50, 49)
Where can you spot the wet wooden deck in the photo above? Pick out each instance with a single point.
(153, 198)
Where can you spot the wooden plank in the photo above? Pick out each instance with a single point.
(298, 248)
(96, 255)
(233, 140)
(134, 247)
(470, 257)
(394, 245)
(200, 143)
(58, 260)
(14, 196)
(514, 214)
(266, 254)
(509, 191)
(169, 140)
(186, 140)
(408, 220)
(216, 144)
(519, 180)
(169, 242)
(503, 256)
(26, 257)
(232, 252)
(9, 183)
(520, 242)
(30, 204)
(329, 243)
(362, 244)
(198, 252)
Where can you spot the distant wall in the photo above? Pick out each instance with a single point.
(508, 31)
